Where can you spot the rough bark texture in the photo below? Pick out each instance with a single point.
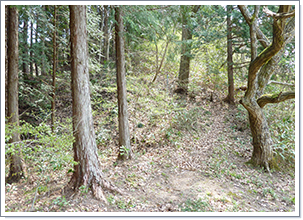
(275, 98)
(262, 142)
(88, 170)
(16, 170)
(270, 68)
(230, 97)
(124, 139)
(183, 78)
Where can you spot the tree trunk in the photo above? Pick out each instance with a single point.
(106, 43)
(87, 171)
(6, 58)
(43, 71)
(31, 52)
(230, 97)
(54, 69)
(124, 139)
(25, 52)
(262, 142)
(36, 41)
(183, 78)
(16, 170)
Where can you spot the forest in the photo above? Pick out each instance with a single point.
(150, 108)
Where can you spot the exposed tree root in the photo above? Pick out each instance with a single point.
(97, 184)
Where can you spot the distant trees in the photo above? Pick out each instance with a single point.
(254, 100)
(16, 170)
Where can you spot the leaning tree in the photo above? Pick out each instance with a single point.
(261, 68)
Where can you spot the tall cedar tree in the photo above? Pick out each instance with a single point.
(16, 170)
(230, 97)
(87, 171)
(187, 35)
(183, 77)
(124, 140)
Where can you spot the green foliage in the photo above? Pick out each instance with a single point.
(281, 119)
(35, 97)
(191, 120)
(42, 151)
(61, 201)
(196, 206)
(124, 150)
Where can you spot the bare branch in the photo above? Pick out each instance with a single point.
(275, 98)
(260, 36)
(281, 83)
(245, 14)
(282, 15)
(153, 9)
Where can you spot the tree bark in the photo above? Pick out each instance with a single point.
(262, 142)
(36, 41)
(275, 98)
(85, 149)
(25, 52)
(6, 58)
(183, 78)
(87, 171)
(106, 37)
(31, 52)
(124, 139)
(230, 97)
(16, 170)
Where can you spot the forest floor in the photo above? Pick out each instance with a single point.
(188, 156)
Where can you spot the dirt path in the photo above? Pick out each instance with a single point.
(196, 171)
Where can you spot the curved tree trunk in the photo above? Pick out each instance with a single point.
(262, 142)
(16, 170)
(87, 171)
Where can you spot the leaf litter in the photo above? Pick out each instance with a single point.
(186, 157)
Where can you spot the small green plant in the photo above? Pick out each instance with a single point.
(269, 191)
(196, 206)
(124, 150)
(61, 201)
(111, 199)
(84, 189)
